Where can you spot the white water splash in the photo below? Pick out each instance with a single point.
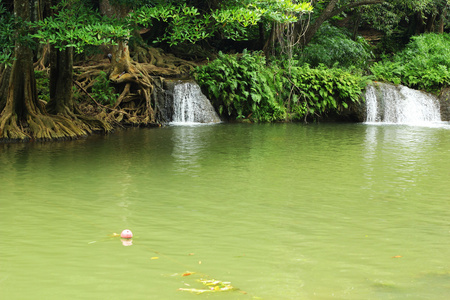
(387, 103)
(191, 106)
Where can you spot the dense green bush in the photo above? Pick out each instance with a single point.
(102, 91)
(424, 63)
(244, 87)
(42, 85)
(6, 35)
(333, 46)
(322, 90)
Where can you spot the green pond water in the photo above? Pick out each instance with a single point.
(284, 211)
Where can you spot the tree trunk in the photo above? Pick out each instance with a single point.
(314, 27)
(23, 117)
(61, 66)
(442, 20)
(61, 105)
(357, 21)
(126, 73)
(5, 74)
(121, 60)
(330, 11)
(21, 100)
(420, 24)
(262, 38)
(113, 11)
(270, 42)
(431, 19)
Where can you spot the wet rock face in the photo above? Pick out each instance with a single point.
(165, 101)
(444, 99)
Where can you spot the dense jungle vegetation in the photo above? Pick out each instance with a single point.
(73, 67)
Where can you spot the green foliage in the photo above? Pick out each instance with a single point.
(249, 12)
(323, 90)
(102, 91)
(42, 85)
(244, 87)
(186, 23)
(385, 17)
(399, 19)
(76, 26)
(333, 46)
(7, 29)
(424, 63)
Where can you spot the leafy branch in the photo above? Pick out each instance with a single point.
(75, 26)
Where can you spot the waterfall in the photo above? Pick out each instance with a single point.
(191, 106)
(386, 103)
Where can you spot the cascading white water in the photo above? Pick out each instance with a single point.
(191, 106)
(386, 103)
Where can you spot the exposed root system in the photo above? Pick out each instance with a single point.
(137, 83)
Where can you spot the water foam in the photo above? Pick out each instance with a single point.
(390, 104)
(191, 106)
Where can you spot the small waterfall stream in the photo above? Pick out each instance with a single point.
(386, 103)
(191, 106)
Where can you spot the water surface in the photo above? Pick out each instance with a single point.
(282, 211)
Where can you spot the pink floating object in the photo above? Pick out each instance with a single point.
(126, 234)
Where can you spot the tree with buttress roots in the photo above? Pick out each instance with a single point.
(134, 78)
(22, 115)
(64, 27)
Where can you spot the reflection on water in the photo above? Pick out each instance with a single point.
(282, 211)
(188, 144)
(403, 151)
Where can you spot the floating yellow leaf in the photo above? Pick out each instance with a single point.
(188, 273)
(212, 286)
(155, 257)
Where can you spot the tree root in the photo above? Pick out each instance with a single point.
(136, 104)
(10, 130)
(40, 127)
(125, 92)
(43, 61)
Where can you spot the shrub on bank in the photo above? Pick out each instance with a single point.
(424, 64)
(244, 87)
(333, 46)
